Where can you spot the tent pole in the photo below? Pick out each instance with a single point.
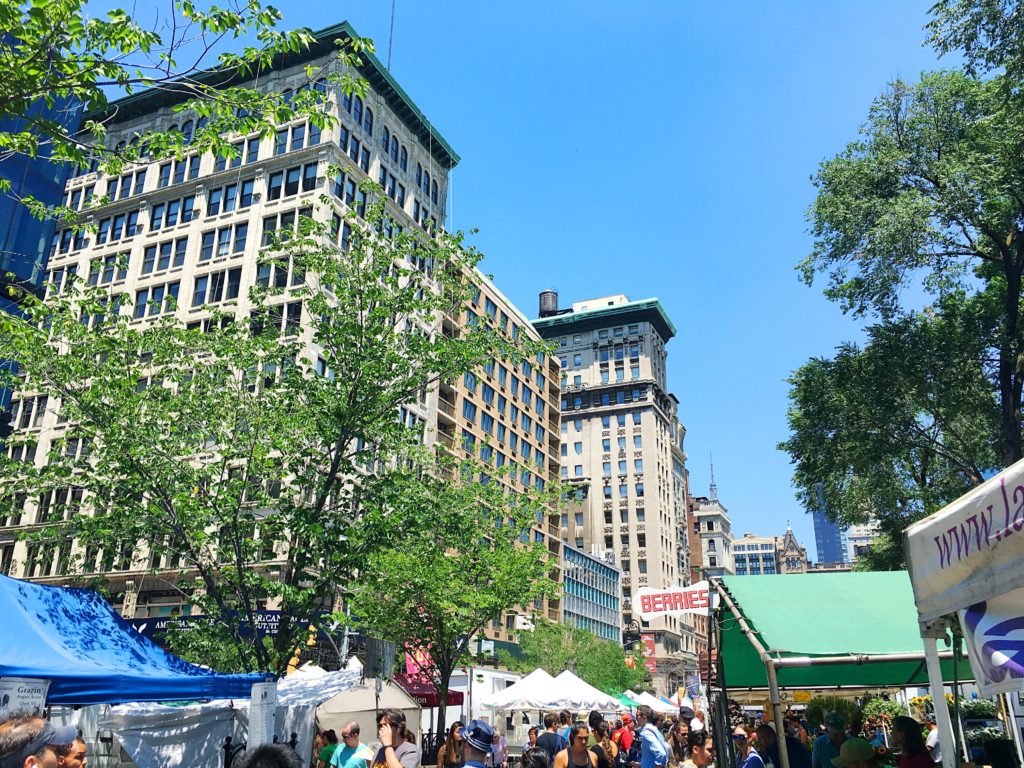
(942, 719)
(1010, 721)
(780, 730)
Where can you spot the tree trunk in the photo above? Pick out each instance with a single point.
(444, 677)
(1009, 375)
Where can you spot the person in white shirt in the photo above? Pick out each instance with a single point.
(697, 723)
(932, 742)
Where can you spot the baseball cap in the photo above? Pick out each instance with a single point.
(835, 720)
(478, 735)
(852, 751)
(627, 718)
(50, 736)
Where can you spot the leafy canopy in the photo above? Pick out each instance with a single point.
(558, 647)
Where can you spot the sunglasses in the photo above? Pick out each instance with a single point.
(737, 737)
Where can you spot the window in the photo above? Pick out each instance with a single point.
(638, 465)
(368, 121)
(578, 470)
(216, 287)
(281, 142)
(106, 270)
(577, 360)
(217, 243)
(167, 214)
(606, 469)
(164, 256)
(403, 158)
(156, 299)
(252, 150)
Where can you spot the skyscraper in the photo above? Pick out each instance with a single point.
(621, 436)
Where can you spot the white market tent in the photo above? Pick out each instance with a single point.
(360, 702)
(538, 686)
(656, 704)
(584, 696)
(966, 562)
(538, 690)
(191, 736)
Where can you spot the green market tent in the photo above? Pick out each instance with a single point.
(626, 701)
(857, 629)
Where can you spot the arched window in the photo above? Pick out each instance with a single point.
(403, 158)
(320, 86)
(357, 110)
(346, 101)
(385, 140)
(287, 95)
(120, 146)
(433, 192)
(174, 127)
(368, 122)
(202, 123)
(394, 148)
(186, 129)
(419, 175)
(426, 184)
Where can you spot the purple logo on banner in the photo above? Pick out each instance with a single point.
(996, 642)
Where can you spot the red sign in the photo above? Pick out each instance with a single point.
(649, 662)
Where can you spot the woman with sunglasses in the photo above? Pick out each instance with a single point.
(746, 755)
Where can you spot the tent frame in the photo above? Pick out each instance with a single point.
(930, 655)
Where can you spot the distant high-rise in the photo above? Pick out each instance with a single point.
(829, 539)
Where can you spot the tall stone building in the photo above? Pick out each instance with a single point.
(621, 436)
(192, 230)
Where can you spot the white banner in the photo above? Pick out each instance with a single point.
(22, 695)
(262, 706)
(674, 601)
(970, 550)
(994, 631)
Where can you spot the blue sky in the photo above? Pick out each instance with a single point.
(658, 149)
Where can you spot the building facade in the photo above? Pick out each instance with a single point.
(768, 555)
(859, 539)
(618, 426)
(25, 239)
(713, 529)
(755, 555)
(829, 539)
(509, 415)
(192, 229)
(593, 592)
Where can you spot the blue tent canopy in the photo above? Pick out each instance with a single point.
(73, 638)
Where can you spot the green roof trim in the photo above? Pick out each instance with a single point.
(649, 310)
(372, 69)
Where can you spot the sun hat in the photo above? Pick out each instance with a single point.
(853, 751)
(478, 735)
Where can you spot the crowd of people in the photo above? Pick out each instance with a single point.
(650, 740)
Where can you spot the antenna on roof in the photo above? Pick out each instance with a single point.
(391, 33)
(714, 488)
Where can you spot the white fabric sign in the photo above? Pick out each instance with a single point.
(674, 601)
(971, 550)
(25, 695)
(994, 631)
(261, 713)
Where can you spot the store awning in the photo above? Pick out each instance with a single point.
(90, 655)
(865, 621)
(424, 693)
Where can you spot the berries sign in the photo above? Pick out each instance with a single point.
(674, 601)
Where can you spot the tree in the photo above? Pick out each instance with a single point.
(239, 449)
(54, 54)
(460, 554)
(988, 33)
(933, 191)
(896, 428)
(557, 647)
